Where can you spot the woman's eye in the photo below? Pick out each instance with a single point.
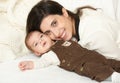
(54, 23)
(47, 33)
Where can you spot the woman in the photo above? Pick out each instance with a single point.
(90, 27)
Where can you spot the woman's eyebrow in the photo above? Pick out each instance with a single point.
(52, 22)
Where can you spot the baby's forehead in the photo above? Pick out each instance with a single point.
(36, 33)
(32, 35)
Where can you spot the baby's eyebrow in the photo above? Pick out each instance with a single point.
(33, 44)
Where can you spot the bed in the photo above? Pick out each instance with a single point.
(10, 73)
(13, 14)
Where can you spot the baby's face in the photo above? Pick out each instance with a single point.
(39, 42)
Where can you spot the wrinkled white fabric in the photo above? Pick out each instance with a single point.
(101, 33)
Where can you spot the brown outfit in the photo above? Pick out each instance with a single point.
(85, 62)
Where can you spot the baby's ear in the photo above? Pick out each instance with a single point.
(37, 53)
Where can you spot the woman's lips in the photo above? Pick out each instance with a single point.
(63, 35)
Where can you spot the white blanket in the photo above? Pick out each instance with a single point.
(10, 73)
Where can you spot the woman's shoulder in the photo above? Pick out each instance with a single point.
(92, 13)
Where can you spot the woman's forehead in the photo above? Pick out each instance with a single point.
(47, 20)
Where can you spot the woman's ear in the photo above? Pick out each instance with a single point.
(65, 13)
(37, 53)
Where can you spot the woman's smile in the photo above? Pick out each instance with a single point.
(63, 35)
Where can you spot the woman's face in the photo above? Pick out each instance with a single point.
(58, 26)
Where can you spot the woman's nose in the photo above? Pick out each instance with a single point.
(55, 33)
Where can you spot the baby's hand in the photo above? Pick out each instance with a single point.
(26, 65)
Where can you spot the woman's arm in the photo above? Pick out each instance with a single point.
(99, 32)
(103, 43)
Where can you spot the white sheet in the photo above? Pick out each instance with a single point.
(10, 73)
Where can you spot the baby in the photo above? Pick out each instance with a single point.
(70, 56)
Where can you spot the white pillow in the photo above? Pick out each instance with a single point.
(19, 9)
(3, 5)
(6, 53)
(11, 40)
(73, 4)
(118, 10)
(12, 29)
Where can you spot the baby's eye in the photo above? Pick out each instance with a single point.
(36, 44)
(41, 36)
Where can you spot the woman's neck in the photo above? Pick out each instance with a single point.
(73, 27)
(76, 22)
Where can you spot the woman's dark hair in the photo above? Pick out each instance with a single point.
(43, 9)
